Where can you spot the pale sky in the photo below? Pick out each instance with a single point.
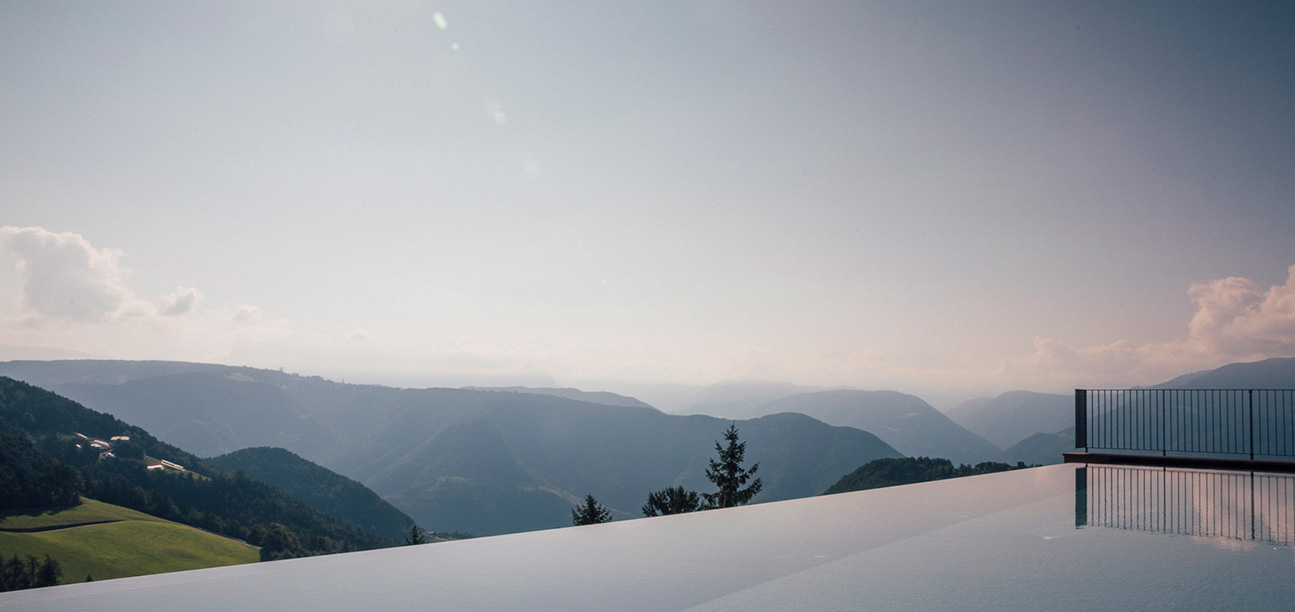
(949, 199)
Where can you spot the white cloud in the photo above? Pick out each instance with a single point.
(246, 314)
(64, 277)
(72, 296)
(1235, 321)
(1238, 320)
(179, 302)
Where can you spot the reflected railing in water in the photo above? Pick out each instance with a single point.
(1252, 506)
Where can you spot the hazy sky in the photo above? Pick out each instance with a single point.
(949, 199)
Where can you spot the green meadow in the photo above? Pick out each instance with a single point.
(90, 511)
(133, 545)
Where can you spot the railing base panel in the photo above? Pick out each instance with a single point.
(1207, 463)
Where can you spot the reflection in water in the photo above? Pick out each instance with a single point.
(1232, 505)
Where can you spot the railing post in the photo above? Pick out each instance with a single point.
(1081, 419)
(1251, 393)
(1164, 443)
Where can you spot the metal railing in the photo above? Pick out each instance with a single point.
(1219, 422)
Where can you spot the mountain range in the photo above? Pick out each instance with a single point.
(470, 460)
(1276, 373)
(903, 421)
(500, 460)
(1014, 416)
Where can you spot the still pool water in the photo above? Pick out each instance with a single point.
(1061, 537)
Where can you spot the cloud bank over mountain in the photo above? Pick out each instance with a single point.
(1235, 320)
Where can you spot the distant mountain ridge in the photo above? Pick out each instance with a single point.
(740, 399)
(1015, 415)
(58, 372)
(483, 462)
(1275, 373)
(208, 413)
(1041, 448)
(594, 397)
(904, 421)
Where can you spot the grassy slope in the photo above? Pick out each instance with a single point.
(139, 544)
(89, 511)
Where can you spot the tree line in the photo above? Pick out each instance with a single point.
(908, 470)
(725, 471)
(16, 574)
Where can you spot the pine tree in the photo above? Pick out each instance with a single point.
(673, 500)
(590, 513)
(9, 574)
(49, 573)
(416, 536)
(727, 474)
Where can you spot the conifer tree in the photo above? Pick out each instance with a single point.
(727, 474)
(590, 513)
(48, 573)
(673, 500)
(15, 574)
(416, 536)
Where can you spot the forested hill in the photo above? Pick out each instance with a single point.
(52, 441)
(321, 488)
(908, 470)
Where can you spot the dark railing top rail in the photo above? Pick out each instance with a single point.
(1193, 422)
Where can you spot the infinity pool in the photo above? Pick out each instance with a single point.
(1061, 537)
